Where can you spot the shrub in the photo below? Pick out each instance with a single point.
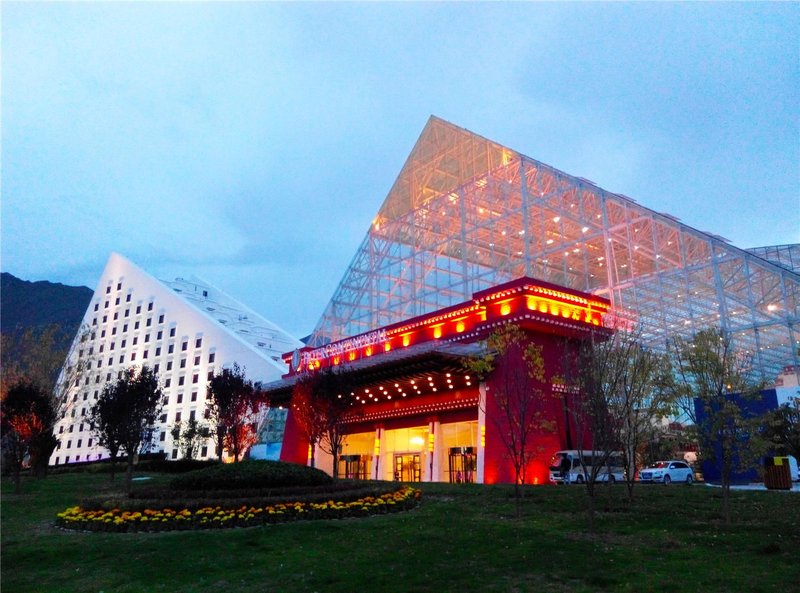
(250, 475)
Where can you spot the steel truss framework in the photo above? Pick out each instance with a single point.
(466, 214)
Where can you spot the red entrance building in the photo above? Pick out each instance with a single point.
(417, 414)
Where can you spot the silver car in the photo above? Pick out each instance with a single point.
(667, 471)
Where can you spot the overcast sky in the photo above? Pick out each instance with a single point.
(251, 144)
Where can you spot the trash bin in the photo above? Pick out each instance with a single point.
(777, 474)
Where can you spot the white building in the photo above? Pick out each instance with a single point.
(186, 330)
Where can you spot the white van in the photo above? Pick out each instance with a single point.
(581, 463)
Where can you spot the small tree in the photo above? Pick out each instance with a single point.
(235, 407)
(320, 404)
(707, 370)
(124, 415)
(782, 428)
(519, 395)
(641, 398)
(27, 420)
(189, 436)
(36, 357)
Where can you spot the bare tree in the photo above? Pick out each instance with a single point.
(514, 367)
(235, 406)
(710, 374)
(126, 412)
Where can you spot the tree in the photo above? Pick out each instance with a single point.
(189, 436)
(27, 420)
(708, 372)
(37, 357)
(320, 404)
(782, 428)
(638, 397)
(515, 369)
(236, 407)
(125, 413)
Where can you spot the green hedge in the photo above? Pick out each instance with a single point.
(250, 475)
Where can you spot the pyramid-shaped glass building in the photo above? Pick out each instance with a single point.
(466, 213)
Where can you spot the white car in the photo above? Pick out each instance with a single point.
(667, 472)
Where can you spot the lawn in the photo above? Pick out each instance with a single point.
(461, 538)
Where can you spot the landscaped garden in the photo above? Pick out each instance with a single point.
(457, 537)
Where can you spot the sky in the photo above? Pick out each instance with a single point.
(251, 144)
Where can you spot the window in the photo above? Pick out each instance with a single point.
(156, 367)
(161, 318)
(111, 347)
(128, 298)
(162, 437)
(103, 334)
(72, 426)
(183, 363)
(106, 305)
(138, 309)
(121, 358)
(94, 322)
(108, 289)
(123, 344)
(198, 343)
(158, 351)
(212, 356)
(127, 314)
(69, 444)
(113, 331)
(116, 315)
(85, 396)
(171, 349)
(174, 453)
(136, 325)
(116, 301)
(105, 318)
(119, 286)
(108, 376)
(180, 398)
(135, 340)
(195, 378)
(159, 335)
(172, 332)
(181, 380)
(96, 306)
(125, 327)
(89, 444)
(192, 415)
(196, 360)
(210, 375)
(149, 321)
(60, 430)
(80, 443)
(163, 418)
(203, 453)
(150, 306)
(167, 382)
(194, 396)
(184, 346)
(145, 353)
(77, 458)
(177, 416)
(133, 355)
(169, 365)
(67, 459)
(110, 360)
(101, 348)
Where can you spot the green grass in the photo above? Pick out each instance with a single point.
(461, 538)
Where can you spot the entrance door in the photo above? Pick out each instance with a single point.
(407, 467)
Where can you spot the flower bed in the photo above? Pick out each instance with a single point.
(217, 517)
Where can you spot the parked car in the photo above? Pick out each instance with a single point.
(667, 472)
